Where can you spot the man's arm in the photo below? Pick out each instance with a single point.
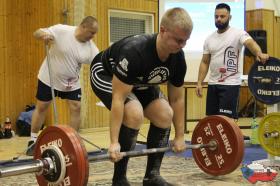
(120, 91)
(203, 70)
(39, 34)
(256, 50)
(177, 102)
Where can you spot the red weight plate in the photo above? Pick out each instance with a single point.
(230, 145)
(73, 149)
(83, 153)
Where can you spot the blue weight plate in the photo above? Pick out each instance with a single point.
(264, 81)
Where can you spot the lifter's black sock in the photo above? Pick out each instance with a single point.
(157, 137)
(127, 140)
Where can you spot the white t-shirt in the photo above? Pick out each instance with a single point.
(225, 50)
(66, 55)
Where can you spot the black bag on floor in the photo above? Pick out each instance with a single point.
(24, 121)
(1, 134)
(23, 128)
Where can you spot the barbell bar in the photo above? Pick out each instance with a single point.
(211, 145)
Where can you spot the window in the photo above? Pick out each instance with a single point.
(125, 23)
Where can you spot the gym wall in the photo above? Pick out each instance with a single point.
(21, 55)
(261, 19)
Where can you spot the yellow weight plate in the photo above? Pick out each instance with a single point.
(269, 133)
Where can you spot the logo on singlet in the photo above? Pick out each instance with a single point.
(122, 67)
(158, 75)
(230, 64)
(123, 63)
(231, 59)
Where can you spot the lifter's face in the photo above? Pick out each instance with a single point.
(174, 39)
(88, 32)
(222, 18)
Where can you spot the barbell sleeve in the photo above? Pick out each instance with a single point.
(43, 166)
(34, 166)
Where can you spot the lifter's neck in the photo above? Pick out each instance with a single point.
(162, 52)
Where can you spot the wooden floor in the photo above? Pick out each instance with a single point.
(15, 147)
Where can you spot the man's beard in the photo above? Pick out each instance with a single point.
(222, 26)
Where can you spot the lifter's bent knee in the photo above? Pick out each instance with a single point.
(164, 119)
(133, 119)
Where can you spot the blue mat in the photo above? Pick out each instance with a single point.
(252, 153)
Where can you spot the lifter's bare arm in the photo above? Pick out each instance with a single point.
(39, 34)
(256, 50)
(120, 92)
(203, 70)
(177, 102)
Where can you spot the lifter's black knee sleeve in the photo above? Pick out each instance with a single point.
(157, 137)
(127, 140)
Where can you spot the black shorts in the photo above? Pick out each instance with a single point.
(223, 100)
(101, 84)
(44, 93)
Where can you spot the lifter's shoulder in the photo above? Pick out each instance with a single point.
(138, 42)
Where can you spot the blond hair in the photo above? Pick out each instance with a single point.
(177, 17)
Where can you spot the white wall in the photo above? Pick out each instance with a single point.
(264, 4)
(250, 5)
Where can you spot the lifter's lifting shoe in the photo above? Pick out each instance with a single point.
(156, 181)
(121, 182)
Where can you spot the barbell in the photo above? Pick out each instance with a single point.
(60, 156)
